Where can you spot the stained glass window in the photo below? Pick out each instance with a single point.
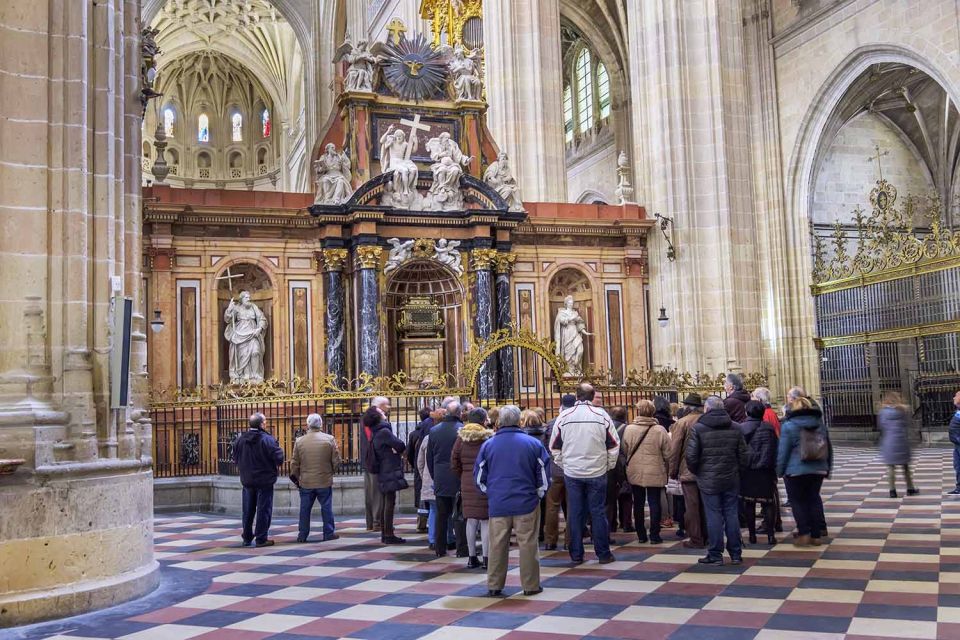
(265, 123)
(203, 128)
(584, 90)
(168, 118)
(237, 122)
(603, 90)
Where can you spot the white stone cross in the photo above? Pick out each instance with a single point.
(229, 278)
(414, 126)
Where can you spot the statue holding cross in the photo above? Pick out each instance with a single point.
(395, 152)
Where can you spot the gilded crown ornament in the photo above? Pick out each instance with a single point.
(368, 256)
(334, 259)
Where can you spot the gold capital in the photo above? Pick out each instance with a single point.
(483, 258)
(505, 261)
(334, 259)
(368, 256)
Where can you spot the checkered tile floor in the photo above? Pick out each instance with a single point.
(891, 570)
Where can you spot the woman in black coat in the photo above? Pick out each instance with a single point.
(388, 452)
(758, 480)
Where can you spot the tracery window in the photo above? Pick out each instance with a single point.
(587, 90)
(265, 123)
(236, 121)
(168, 119)
(603, 90)
(584, 91)
(203, 128)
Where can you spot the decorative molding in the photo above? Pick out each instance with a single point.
(368, 256)
(334, 259)
(889, 335)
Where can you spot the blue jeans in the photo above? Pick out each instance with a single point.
(432, 524)
(956, 464)
(257, 501)
(325, 498)
(583, 495)
(723, 516)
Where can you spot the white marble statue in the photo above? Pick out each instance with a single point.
(446, 253)
(332, 171)
(246, 326)
(399, 254)
(465, 68)
(395, 152)
(499, 176)
(361, 65)
(568, 330)
(447, 167)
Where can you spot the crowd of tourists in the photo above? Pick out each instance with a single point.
(482, 477)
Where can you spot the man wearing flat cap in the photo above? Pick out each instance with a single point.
(693, 517)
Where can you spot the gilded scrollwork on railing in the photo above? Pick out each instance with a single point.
(512, 336)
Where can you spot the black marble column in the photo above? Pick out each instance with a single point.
(505, 372)
(368, 308)
(483, 322)
(334, 313)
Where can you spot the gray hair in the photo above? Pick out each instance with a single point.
(446, 401)
(712, 402)
(762, 394)
(379, 401)
(735, 381)
(257, 420)
(452, 407)
(796, 393)
(509, 416)
(314, 421)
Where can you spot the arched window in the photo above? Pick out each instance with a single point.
(568, 112)
(584, 90)
(603, 90)
(203, 128)
(265, 123)
(168, 118)
(236, 122)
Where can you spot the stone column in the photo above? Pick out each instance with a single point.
(334, 315)
(368, 308)
(522, 48)
(504, 262)
(482, 265)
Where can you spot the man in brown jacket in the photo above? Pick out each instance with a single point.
(693, 517)
(315, 459)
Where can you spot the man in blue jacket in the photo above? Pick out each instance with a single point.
(258, 457)
(954, 432)
(511, 469)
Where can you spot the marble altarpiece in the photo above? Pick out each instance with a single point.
(416, 246)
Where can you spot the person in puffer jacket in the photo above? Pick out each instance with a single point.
(715, 452)
(258, 458)
(954, 432)
(475, 509)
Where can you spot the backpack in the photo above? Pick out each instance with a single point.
(813, 445)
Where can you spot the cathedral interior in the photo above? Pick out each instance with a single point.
(218, 207)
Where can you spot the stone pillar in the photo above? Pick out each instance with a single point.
(522, 49)
(482, 265)
(334, 316)
(368, 308)
(76, 525)
(504, 262)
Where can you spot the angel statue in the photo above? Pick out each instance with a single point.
(465, 68)
(332, 171)
(399, 254)
(499, 176)
(361, 64)
(446, 253)
(447, 168)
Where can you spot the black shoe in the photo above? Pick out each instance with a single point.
(473, 562)
(955, 492)
(608, 559)
(893, 493)
(485, 564)
(246, 543)
(393, 540)
(913, 492)
(736, 560)
(550, 547)
(451, 546)
(534, 592)
(681, 534)
(441, 554)
(266, 543)
(771, 540)
(656, 540)
(709, 560)
(495, 593)
(330, 537)
(642, 539)
(301, 540)
(576, 561)
(752, 538)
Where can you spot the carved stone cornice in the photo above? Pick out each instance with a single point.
(504, 262)
(368, 256)
(334, 259)
(483, 259)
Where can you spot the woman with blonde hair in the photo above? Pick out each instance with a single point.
(894, 425)
(646, 450)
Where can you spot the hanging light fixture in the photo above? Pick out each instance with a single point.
(156, 325)
(663, 319)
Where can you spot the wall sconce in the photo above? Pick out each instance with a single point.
(156, 325)
(666, 222)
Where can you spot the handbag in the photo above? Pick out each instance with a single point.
(674, 488)
(458, 508)
(624, 462)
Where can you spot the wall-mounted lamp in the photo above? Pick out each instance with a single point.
(156, 325)
(666, 222)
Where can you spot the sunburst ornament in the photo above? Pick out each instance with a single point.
(413, 69)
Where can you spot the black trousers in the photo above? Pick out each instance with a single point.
(444, 511)
(387, 506)
(806, 503)
(652, 497)
(679, 510)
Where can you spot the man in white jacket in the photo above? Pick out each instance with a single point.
(584, 443)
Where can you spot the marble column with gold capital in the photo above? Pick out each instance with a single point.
(367, 259)
(481, 262)
(334, 261)
(504, 263)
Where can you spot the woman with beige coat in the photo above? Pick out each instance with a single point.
(646, 449)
